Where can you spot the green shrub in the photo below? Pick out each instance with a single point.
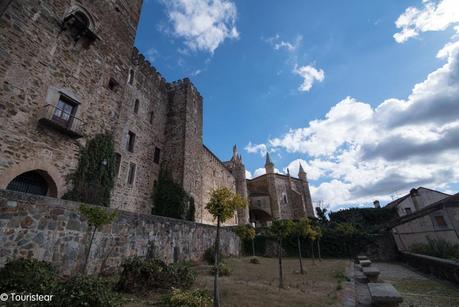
(437, 248)
(171, 200)
(254, 261)
(81, 290)
(28, 275)
(223, 270)
(188, 298)
(209, 255)
(140, 275)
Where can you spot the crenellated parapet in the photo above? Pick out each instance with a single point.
(143, 67)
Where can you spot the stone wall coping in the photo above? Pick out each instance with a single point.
(431, 258)
(39, 200)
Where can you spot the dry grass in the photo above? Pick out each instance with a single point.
(258, 285)
(427, 292)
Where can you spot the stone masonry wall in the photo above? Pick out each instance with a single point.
(39, 60)
(52, 230)
(148, 124)
(214, 175)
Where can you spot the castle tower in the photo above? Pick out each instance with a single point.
(272, 190)
(183, 148)
(306, 192)
(238, 170)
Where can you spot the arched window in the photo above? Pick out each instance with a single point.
(34, 182)
(80, 25)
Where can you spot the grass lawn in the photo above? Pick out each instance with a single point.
(257, 284)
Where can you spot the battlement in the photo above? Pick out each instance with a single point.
(145, 67)
(181, 83)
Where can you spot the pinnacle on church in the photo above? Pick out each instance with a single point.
(288, 171)
(268, 159)
(301, 171)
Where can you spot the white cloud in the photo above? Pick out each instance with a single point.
(152, 54)
(277, 43)
(313, 171)
(204, 24)
(434, 16)
(255, 148)
(359, 153)
(309, 74)
(248, 175)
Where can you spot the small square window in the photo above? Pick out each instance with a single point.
(440, 221)
(136, 106)
(157, 155)
(130, 141)
(131, 174)
(408, 210)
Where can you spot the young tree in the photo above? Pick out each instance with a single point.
(97, 217)
(301, 230)
(312, 235)
(222, 205)
(319, 235)
(280, 229)
(247, 232)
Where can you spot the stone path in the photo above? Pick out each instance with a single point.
(411, 286)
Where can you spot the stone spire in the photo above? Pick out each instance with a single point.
(302, 174)
(235, 155)
(269, 166)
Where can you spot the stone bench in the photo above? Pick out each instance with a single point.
(384, 295)
(371, 273)
(362, 257)
(365, 263)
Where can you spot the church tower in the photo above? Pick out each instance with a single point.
(271, 179)
(238, 170)
(306, 192)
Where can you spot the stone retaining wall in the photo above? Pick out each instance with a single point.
(442, 268)
(51, 229)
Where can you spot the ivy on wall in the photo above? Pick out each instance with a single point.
(94, 178)
(171, 200)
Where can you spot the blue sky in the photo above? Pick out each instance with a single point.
(322, 83)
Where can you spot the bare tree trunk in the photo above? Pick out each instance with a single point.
(318, 249)
(299, 255)
(253, 248)
(217, 249)
(279, 255)
(312, 252)
(89, 251)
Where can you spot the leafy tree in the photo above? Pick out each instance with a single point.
(222, 205)
(97, 217)
(301, 231)
(281, 229)
(322, 215)
(247, 232)
(347, 231)
(319, 235)
(93, 180)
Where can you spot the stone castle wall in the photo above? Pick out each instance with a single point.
(52, 230)
(39, 61)
(149, 125)
(214, 175)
